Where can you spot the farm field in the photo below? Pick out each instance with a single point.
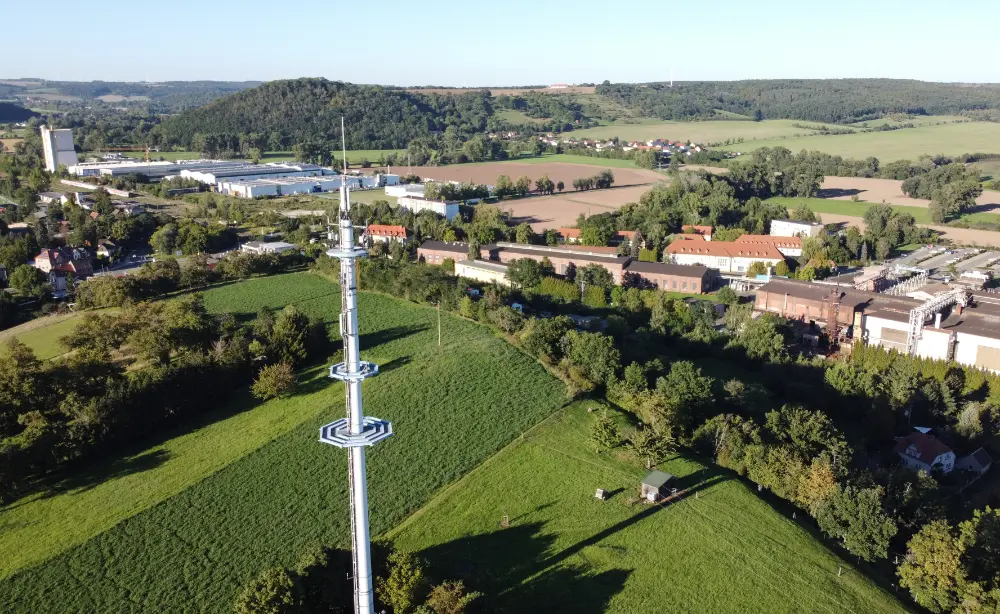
(949, 139)
(562, 209)
(282, 492)
(724, 551)
(701, 132)
(558, 170)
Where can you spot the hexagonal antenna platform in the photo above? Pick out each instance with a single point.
(365, 369)
(338, 433)
(349, 252)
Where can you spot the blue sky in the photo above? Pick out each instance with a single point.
(509, 42)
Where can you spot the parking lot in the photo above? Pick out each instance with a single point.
(981, 261)
(947, 258)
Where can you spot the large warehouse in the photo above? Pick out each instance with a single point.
(951, 324)
(251, 172)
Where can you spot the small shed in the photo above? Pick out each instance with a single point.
(656, 485)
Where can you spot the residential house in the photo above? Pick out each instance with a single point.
(384, 233)
(107, 249)
(61, 262)
(921, 451)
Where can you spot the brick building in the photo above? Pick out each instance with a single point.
(559, 257)
(674, 277)
(434, 252)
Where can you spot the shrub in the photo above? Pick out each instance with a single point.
(273, 381)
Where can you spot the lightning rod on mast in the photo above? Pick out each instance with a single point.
(356, 431)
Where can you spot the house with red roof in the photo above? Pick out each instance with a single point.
(384, 233)
(726, 256)
(925, 452)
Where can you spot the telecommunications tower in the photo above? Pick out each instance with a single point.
(356, 430)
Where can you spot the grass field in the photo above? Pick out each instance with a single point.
(846, 207)
(700, 132)
(725, 551)
(948, 139)
(573, 159)
(211, 524)
(42, 334)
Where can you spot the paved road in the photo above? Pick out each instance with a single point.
(914, 257)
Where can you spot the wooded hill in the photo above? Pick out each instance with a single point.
(310, 110)
(824, 100)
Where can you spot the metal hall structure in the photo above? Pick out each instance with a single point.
(356, 431)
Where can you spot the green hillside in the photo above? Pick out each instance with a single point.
(216, 503)
(719, 548)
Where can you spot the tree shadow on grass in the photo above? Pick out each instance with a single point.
(838, 192)
(513, 570)
(380, 337)
(518, 571)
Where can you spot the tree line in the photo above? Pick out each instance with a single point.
(129, 374)
(839, 101)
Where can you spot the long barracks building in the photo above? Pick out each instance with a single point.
(673, 277)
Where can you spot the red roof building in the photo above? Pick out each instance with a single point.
(925, 452)
(704, 231)
(62, 261)
(385, 232)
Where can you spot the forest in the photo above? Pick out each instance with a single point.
(311, 109)
(823, 100)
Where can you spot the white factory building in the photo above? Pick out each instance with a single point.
(268, 247)
(415, 190)
(795, 228)
(57, 145)
(448, 209)
(284, 186)
(251, 172)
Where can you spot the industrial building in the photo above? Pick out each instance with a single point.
(795, 228)
(448, 209)
(941, 322)
(268, 247)
(482, 271)
(679, 278)
(57, 146)
(415, 190)
(726, 256)
(251, 172)
(154, 170)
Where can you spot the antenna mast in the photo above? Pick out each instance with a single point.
(356, 431)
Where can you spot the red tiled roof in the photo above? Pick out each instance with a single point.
(687, 237)
(569, 233)
(787, 242)
(724, 249)
(924, 448)
(386, 230)
(701, 230)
